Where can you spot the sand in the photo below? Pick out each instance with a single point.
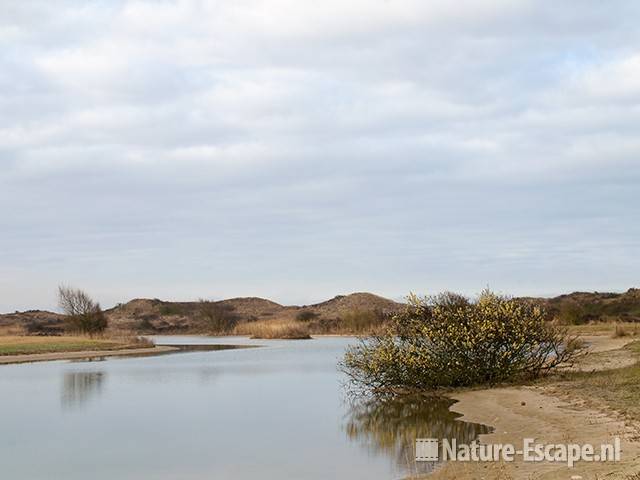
(533, 412)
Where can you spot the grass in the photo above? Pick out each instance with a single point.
(288, 330)
(11, 330)
(621, 331)
(22, 345)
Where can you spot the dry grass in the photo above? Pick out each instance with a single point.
(289, 330)
(23, 345)
(621, 331)
(605, 328)
(11, 330)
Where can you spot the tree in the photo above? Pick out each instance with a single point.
(572, 313)
(217, 317)
(83, 314)
(306, 315)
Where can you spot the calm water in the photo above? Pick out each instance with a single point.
(276, 412)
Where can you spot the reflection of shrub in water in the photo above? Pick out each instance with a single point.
(391, 426)
(78, 387)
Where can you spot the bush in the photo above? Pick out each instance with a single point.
(306, 315)
(362, 321)
(619, 331)
(449, 341)
(83, 314)
(92, 322)
(168, 308)
(325, 325)
(145, 323)
(217, 317)
(572, 313)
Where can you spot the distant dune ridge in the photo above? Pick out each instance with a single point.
(33, 321)
(584, 307)
(143, 314)
(154, 315)
(183, 315)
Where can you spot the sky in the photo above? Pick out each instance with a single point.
(296, 150)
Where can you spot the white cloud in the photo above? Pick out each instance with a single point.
(381, 144)
(615, 80)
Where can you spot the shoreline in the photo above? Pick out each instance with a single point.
(539, 412)
(516, 413)
(79, 355)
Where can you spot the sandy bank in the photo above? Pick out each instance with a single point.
(533, 412)
(548, 420)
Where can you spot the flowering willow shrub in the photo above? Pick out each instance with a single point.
(450, 341)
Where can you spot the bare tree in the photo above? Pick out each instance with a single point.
(83, 314)
(216, 316)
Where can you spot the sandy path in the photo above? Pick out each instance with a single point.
(532, 412)
(43, 357)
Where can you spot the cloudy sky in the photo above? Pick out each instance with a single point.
(299, 149)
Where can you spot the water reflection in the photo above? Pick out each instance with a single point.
(284, 398)
(79, 387)
(391, 426)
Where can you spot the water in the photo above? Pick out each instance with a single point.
(276, 412)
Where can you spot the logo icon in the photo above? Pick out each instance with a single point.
(426, 450)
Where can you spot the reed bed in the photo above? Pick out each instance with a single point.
(289, 330)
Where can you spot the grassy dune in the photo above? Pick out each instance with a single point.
(21, 345)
